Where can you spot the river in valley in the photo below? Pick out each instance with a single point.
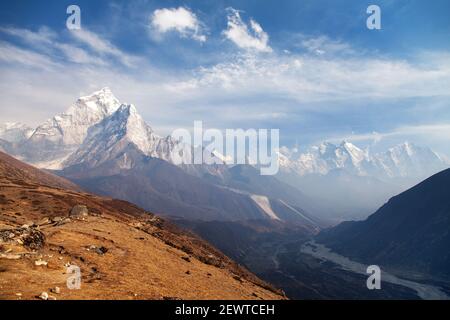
(424, 291)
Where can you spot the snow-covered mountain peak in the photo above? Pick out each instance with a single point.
(406, 159)
(14, 132)
(403, 160)
(10, 125)
(356, 154)
(103, 99)
(127, 122)
(127, 112)
(408, 148)
(113, 135)
(324, 147)
(70, 127)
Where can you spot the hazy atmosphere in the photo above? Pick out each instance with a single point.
(251, 150)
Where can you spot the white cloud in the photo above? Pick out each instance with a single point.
(43, 36)
(49, 44)
(324, 45)
(253, 38)
(78, 55)
(102, 46)
(181, 20)
(435, 131)
(305, 78)
(12, 54)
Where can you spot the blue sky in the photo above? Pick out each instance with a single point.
(310, 68)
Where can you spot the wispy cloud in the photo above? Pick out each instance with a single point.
(321, 45)
(310, 78)
(102, 46)
(249, 89)
(245, 37)
(50, 45)
(431, 134)
(181, 20)
(13, 54)
(43, 35)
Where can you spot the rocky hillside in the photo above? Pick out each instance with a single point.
(47, 225)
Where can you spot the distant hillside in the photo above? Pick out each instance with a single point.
(15, 170)
(409, 233)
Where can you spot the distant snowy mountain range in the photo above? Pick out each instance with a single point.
(94, 123)
(404, 160)
(100, 135)
(351, 183)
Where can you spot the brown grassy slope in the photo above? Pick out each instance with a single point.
(145, 258)
(13, 169)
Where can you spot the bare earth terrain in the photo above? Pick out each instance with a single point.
(123, 252)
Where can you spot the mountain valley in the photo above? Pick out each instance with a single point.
(105, 147)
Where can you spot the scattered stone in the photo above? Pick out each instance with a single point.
(56, 290)
(59, 221)
(186, 259)
(44, 221)
(99, 250)
(44, 296)
(51, 298)
(188, 272)
(10, 256)
(34, 239)
(95, 275)
(41, 262)
(79, 211)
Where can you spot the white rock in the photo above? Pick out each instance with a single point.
(44, 296)
(40, 262)
(56, 290)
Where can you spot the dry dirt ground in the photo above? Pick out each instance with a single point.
(122, 251)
